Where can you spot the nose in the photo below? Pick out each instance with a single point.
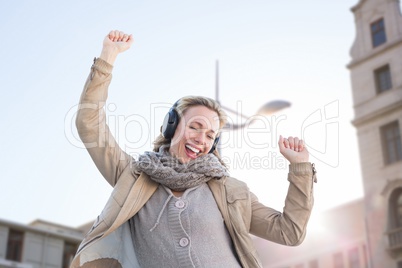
(200, 138)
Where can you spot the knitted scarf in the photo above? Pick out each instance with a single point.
(167, 170)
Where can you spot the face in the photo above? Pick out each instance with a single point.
(195, 133)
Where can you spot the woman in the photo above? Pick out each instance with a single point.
(177, 206)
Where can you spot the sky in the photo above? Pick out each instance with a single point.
(267, 50)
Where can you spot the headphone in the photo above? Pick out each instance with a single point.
(170, 123)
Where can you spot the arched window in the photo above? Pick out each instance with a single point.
(395, 203)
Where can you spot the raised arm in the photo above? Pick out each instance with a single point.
(288, 227)
(109, 158)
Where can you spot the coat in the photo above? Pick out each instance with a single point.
(109, 244)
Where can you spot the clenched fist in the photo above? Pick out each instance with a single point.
(114, 43)
(293, 149)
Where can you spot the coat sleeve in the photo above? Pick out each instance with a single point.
(287, 227)
(109, 158)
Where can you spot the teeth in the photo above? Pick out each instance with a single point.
(193, 149)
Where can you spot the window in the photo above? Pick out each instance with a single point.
(68, 253)
(378, 35)
(14, 245)
(354, 261)
(391, 143)
(382, 78)
(338, 260)
(395, 219)
(313, 264)
(395, 203)
(398, 210)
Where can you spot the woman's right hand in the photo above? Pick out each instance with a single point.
(114, 43)
(293, 149)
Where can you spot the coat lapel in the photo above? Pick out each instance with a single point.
(217, 188)
(139, 194)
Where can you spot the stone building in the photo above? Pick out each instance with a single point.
(376, 76)
(39, 244)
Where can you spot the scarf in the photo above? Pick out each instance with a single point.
(167, 170)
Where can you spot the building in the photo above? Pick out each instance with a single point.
(38, 244)
(376, 76)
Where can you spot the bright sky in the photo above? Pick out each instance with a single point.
(290, 50)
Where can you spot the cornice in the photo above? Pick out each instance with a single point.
(374, 53)
(375, 114)
(357, 6)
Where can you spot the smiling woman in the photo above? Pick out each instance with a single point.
(195, 119)
(195, 133)
(177, 206)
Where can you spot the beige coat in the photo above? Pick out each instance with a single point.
(108, 243)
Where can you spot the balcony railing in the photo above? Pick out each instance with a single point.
(395, 238)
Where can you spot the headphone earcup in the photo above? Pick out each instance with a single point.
(216, 141)
(170, 123)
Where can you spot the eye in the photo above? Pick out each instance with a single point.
(211, 137)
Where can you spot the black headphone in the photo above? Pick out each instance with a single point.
(170, 123)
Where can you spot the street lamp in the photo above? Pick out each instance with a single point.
(267, 109)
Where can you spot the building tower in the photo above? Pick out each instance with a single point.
(376, 76)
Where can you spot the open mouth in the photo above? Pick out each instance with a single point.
(192, 151)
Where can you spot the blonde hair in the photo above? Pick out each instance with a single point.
(190, 101)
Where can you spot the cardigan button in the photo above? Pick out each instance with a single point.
(179, 204)
(183, 242)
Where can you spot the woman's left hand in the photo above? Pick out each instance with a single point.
(293, 149)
